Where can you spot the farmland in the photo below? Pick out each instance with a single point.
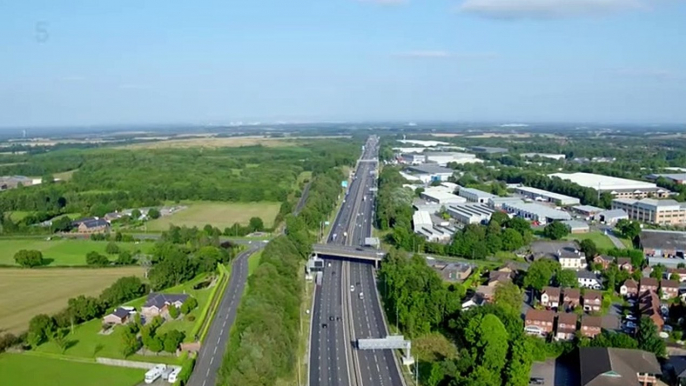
(219, 214)
(61, 252)
(29, 370)
(26, 293)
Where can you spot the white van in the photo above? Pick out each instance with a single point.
(154, 373)
(174, 375)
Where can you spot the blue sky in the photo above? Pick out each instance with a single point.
(111, 62)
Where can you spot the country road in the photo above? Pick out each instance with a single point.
(212, 351)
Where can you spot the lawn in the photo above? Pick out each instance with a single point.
(28, 292)
(28, 370)
(87, 343)
(62, 252)
(219, 214)
(600, 239)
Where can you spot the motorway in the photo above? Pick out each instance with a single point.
(333, 359)
(212, 351)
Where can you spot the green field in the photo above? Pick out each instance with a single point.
(600, 239)
(29, 292)
(62, 252)
(219, 214)
(28, 370)
(87, 343)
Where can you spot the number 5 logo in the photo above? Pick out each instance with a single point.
(42, 32)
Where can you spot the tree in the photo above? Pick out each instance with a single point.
(512, 240)
(130, 343)
(674, 276)
(555, 230)
(154, 344)
(256, 224)
(589, 248)
(540, 273)
(500, 217)
(566, 278)
(658, 272)
(172, 340)
(124, 289)
(629, 229)
(189, 305)
(509, 297)
(154, 213)
(174, 312)
(95, 259)
(29, 258)
(112, 248)
(124, 257)
(62, 224)
(488, 340)
(519, 366)
(648, 338)
(59, 336)
(136, 214)
(84, 308)
(436, 375)
(40, 328)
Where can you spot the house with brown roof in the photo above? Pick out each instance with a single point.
(539, 322)
(452, 272)
(647, 284)
(571, 298)
(566, 326)
(600, 366)
(591, 325)
(550, 297)
(649, 305)
(604, 261)
(159, 303)
(120, 315)
(624, 263)
(670, 289)
(486, 292)
(592, 301)
(496, 277)
(681, 272)
(629, 289)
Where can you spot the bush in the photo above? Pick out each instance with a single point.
(29, 259)
(189, 305)
(190, 318)
(174, 312)
(112, 247)
(186, 371)
(97, 260)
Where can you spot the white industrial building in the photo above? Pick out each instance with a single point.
(441, 196)
(476, 195)
(444, 158)
(536, 212)
(618, 187)
(418, 142)
(428, 173)
(496, 202)
(544, 195)
(471, 213)
(413, 158)
(422, 223)
(556, 157)
(612, 216)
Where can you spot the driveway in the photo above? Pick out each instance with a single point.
(554, 373)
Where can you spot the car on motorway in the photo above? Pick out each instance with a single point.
(324, 325)
(332, 318)
(361, 295)
(352, 288)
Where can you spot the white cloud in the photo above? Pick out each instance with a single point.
(440, 54)
(548, 9)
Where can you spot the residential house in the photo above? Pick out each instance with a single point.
(91, 225)
(158, 303)
(570, 298)
(496, 277)
(475, 300)
(539, 322)
(566, 326)
(593, 301)
(571, 258)
(487, 292)
(451, 272)
(670, 289)
(600, 366)
(120, 315)
(649, 305)
(647, 284)
(629, 289)
(604, 261)
(624, 263)
(588, 279)
(681, 272)
(591, 326)
(550, 297)
(611, 323)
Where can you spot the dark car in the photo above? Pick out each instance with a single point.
(338, 318)
(536, 381)
(359, 249)
(331, 318)
(324, 325)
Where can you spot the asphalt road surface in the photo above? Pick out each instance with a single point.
(212, 351)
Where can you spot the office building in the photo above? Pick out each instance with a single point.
(652, 211)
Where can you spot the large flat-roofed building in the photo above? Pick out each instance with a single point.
(424, 143)
(423, 224)
(472, 213)
(618, 187)
(677, 178)
(652, 211)
(667, 244)
(475, 195)
(587, 211)
(496, 202)
(487, 149)
(556, 157)
(544, 195)
(444, 158)
(536, 212)
(441, 196)
(428, 173)
(413, 158)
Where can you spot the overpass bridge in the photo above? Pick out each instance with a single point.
(349, 252)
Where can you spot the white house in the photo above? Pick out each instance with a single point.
(571, 259)
(588, 279)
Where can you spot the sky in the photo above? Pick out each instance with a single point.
(213, 62)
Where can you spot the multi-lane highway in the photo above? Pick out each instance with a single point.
(341, 315)
(212, 351)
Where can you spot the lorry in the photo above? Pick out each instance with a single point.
(154, 373)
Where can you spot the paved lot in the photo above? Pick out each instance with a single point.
(554, 373)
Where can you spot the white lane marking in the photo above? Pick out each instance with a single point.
(215, 349)
(211, 360)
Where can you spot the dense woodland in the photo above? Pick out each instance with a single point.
(107, 179)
